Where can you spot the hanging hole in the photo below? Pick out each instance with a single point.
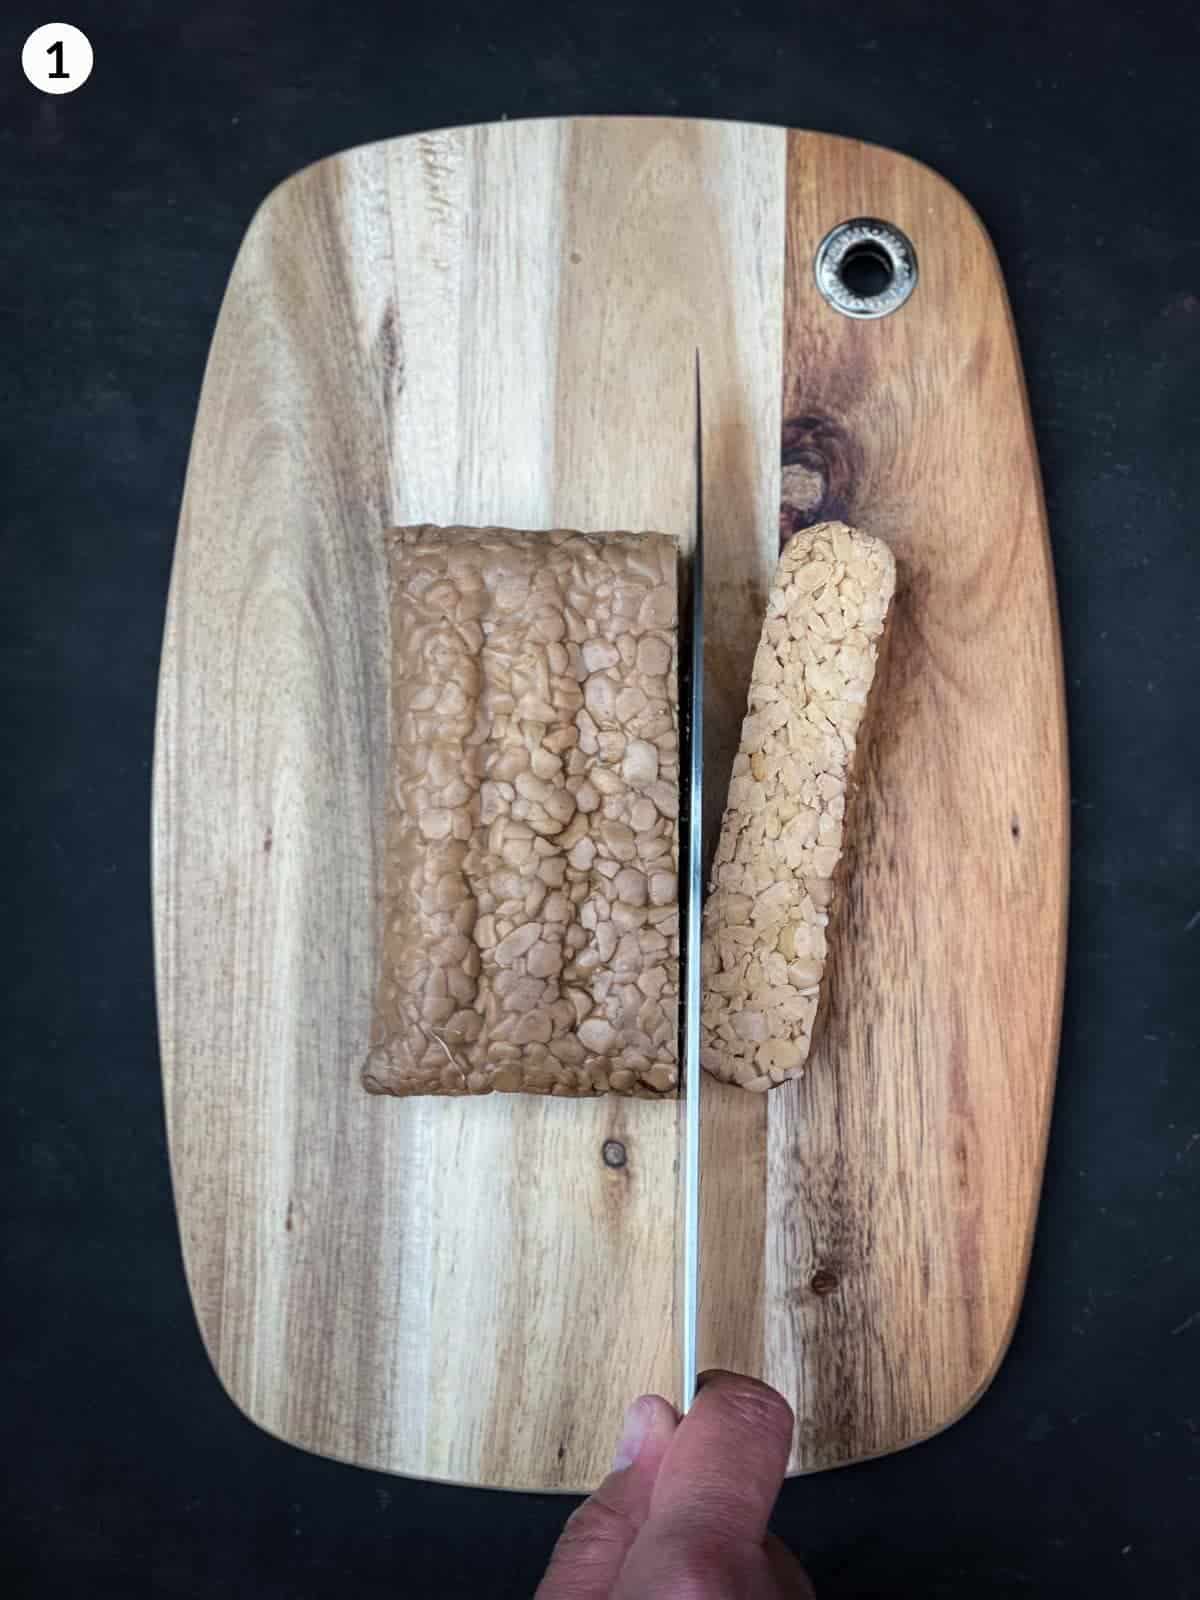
(866, 270)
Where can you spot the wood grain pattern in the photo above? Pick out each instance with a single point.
(498, 325)
(489, 325)
(903, 1170)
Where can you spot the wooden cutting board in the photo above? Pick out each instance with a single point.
(497, 325)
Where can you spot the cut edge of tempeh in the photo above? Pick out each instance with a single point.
(778, 875)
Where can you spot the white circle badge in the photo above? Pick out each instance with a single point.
(57, 58)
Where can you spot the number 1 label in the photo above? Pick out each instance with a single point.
(57, 58)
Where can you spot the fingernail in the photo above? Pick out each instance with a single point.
(633, 1433)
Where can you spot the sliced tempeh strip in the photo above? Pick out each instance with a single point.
(775, 877)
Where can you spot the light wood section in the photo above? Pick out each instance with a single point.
(492, 325)
(497, 325)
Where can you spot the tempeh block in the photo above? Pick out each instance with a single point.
(530, 932)
(775, 879)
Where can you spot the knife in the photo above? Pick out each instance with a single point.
(691, 764)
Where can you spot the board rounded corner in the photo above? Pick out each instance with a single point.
(953, 197)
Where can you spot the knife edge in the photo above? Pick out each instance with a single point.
(691, 887)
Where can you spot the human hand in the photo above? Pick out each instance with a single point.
(683, 1514)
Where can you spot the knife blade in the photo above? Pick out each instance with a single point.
(691, 754)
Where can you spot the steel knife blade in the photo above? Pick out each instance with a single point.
(691, 754)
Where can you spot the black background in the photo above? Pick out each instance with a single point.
(1073, 130)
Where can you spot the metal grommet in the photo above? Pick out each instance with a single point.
(866, 268)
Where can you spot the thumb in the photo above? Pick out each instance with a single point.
(588, 1557)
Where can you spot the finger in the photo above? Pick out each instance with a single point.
(791, 1580)
(589, 1554)
(690, 1564)
(725, 1464)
